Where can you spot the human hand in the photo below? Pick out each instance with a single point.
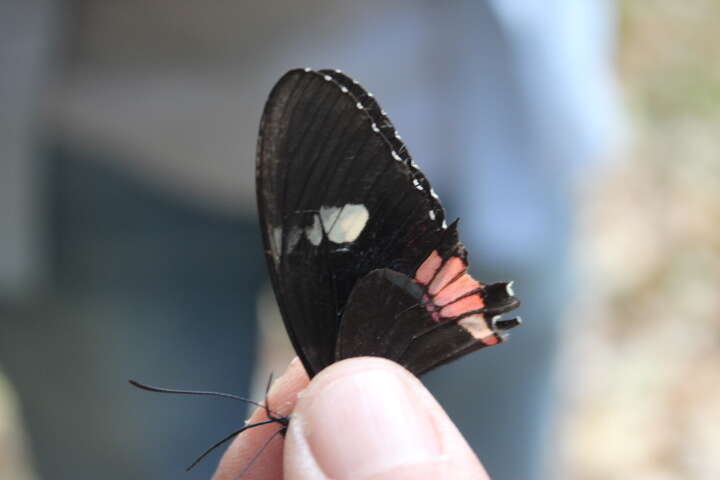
(360, 419)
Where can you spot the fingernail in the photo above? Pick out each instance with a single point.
(367, 423)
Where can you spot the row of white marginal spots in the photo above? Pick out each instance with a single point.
(395, 155)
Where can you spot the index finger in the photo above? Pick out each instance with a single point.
(247, 445)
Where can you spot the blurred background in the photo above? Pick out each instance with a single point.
(577, 141)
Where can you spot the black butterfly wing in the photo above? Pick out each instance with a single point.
(338, 197)
(344, 210)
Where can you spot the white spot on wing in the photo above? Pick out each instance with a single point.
(396, 156)
(431, 214)
(509, 289)
(476, 326)
(346, 223)
(315, 233)
(327, 78)
(344, 89)
(375, 128)
(307, 69)
(276, 241)
(293, 238)
(359, 105)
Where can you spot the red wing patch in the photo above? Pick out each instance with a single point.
(452, 294)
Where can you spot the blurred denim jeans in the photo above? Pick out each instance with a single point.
(145, 286)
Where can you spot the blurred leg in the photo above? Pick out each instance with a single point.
(146, 287)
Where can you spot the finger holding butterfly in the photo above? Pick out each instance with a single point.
(362, 419)
(370, 419)
(257, 453)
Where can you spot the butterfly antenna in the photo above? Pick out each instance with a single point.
(226, 439)
(262, 449)
(151, 388)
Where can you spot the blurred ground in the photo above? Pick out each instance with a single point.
(645, 377)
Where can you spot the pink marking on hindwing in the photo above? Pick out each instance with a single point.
(460, 287)
(449, 288)
(462, 306)
(427, 270)
(451, 269)
(453, 294)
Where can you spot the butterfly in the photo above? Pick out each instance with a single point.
(361, 258)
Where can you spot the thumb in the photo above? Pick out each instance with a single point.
(370, 419)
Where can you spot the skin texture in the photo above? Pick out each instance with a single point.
(360, 419)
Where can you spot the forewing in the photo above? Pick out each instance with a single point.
(338, 196)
